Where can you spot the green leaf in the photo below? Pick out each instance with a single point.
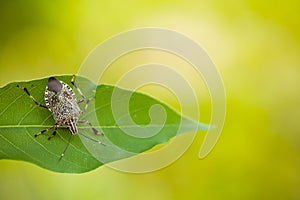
(20, 119)
(134, 122)
(128, 129)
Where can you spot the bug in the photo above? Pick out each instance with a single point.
(61, 101)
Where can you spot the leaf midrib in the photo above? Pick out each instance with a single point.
(84, 127)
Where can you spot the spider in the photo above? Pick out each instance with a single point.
(61, 102)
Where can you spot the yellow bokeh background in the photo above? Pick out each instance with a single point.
(254, 44)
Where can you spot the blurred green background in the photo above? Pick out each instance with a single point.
(256, 46)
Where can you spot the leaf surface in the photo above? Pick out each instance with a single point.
(132, 123)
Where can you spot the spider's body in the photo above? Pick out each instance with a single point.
(61, 101)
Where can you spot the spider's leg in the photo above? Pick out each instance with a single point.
(68, 144)
(83, 98)
(53, 134)
(45, 130)
(31, 97)
(96, 132)
(78, 89)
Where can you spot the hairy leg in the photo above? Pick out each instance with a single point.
(31, 97)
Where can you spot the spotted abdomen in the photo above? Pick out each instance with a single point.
(61, 101)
